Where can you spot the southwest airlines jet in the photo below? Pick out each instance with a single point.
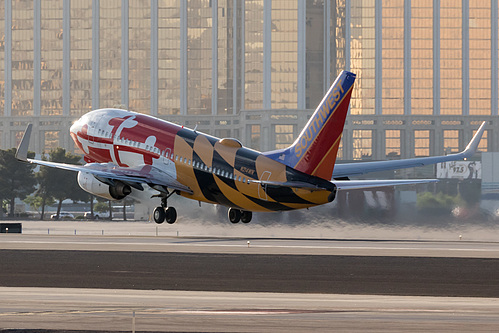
(128, 152)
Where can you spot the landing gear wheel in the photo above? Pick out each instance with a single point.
(171, 215)
(159, 215)
(234, 215)
(246, 216)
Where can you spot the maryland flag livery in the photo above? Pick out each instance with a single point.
(127, 152)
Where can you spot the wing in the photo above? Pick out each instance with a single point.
(107, 172)
(353, 169)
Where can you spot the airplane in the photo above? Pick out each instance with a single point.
(127, 152)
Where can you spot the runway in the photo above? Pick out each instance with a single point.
(367, 275)
(214, 284)
(187, 311)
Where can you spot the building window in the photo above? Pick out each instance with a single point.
(421, 143)
(255, 136)
(284, 135)
(17, 137)
(222, 133)
(484, 142)
(362, 144)
(451, 141)
(392, 143)
(51, 140)
(339, 154)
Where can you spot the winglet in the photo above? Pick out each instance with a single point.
(22, 150)
(473, 145)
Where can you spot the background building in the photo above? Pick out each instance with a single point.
(427, 71)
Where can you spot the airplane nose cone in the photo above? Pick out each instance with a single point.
(75, 127)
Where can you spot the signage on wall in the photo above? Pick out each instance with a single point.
(460, 170)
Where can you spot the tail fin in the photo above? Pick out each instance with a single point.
(314, 151)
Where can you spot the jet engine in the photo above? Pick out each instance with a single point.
(115, 190)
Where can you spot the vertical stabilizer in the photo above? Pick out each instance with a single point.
(314, 151)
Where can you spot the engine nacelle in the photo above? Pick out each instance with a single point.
(90, 184)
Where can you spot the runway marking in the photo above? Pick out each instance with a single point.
(244, 245)
(413, 248)
(266, 312)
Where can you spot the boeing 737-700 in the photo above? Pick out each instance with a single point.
(127, 151)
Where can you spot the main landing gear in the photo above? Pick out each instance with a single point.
(165, 213)
(236, 215)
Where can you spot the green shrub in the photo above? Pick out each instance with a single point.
(440, 200)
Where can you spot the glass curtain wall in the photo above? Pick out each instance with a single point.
(480, 57)
(81, 58)
(284, 54)
(253, 54)
(314, 86)
(225, 51)
(110, 53)
(362, 60)
(139, 56)
(2, 59)
(422, 57)
(168, 57)
(393, 57)
(199, 55)
(22, 58)
(51, 58)
(451, 54)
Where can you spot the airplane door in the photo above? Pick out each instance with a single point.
(262, 188)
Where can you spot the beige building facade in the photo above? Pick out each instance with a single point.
(427, 71)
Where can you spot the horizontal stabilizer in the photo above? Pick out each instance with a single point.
(347, 184)
(295, 184)
(22, 149)
(360, 184)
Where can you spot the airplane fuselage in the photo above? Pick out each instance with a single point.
(215, 170)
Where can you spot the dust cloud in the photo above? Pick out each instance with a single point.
(324, 223)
